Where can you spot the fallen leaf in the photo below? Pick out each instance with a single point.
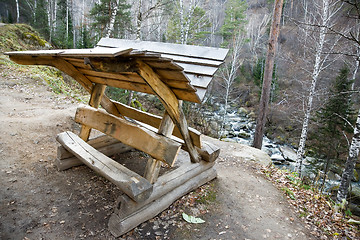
(192, 219)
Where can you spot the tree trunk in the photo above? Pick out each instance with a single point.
(265, 94)
(17, 11)
(112, 19)
(139, 22)
(350, 163)
(67, 21)
(315, 75)
(181, 21)
(356, 67)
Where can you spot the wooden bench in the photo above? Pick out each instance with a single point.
(173, 73)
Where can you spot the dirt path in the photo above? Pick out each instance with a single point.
(38, 202)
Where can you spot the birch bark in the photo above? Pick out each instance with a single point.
(112, 19)
(326, 16)
(228, 73)
(139, 21)
(350, 163)
(17, 11)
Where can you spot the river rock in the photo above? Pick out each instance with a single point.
(214, 125)
(243, 134)
(288, 153)
(355, 209)
(277, 156)
(243, 112)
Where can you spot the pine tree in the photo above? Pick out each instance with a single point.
(85, 39)
(335, 120)
(40, 21)
(63, 37)
(102, 12)
(235, 19)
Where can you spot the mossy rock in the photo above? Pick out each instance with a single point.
(355, 177)
(16, 37)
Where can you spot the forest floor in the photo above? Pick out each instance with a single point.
(39, 202)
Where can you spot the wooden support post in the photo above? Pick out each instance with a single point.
(171, 104)
(153, 165)
(95, 99)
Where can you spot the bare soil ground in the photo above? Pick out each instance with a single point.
(39, 202)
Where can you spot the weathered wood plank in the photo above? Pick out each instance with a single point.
(119, 226)
(198, 69)
(92, 52)
(135, 186)
(96, 95)
(169, 48)
(171, 104)
(165, 184)
(108, 150)
(155, 145)
(199, 81)
(209, 152)
(112, 65)
(123, 84)
(153, 165)
(98, 142)
(192, 60)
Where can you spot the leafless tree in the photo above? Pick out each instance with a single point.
(319, 20)
(354, 37)
(229, 70)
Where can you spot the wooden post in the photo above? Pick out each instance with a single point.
(171, 104)
(153, 165)
(95, 99)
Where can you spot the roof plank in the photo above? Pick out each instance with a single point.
(170, 48)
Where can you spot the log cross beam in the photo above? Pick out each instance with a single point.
(171, 104)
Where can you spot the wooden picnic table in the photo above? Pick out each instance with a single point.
(172, 72)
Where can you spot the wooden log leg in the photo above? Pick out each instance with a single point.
(171, 104)
(184, 129)
(95, 99)
(153, 165)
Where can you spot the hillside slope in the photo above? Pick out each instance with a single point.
(16, 37)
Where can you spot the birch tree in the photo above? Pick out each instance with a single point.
(355, 142)
(144, 12)
(350, 163)
(229, 70)
(111, 18)
(189, 23)
(322, 18)
(17, 11)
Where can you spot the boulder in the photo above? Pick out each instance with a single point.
(288, 153)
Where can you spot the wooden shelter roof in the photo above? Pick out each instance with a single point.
(186, 69)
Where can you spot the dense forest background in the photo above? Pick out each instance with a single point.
(315, 58)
